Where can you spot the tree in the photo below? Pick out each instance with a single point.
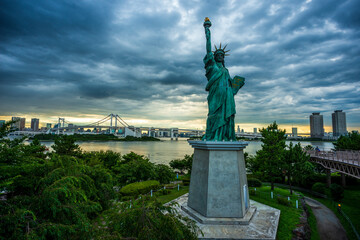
(184, 164)
(108, 158)
(296, 164)
(271, 153)
(65, 145)
(348, 142)
(148, 219)
(134, 168)
(164, 174)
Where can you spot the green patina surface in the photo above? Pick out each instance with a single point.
(220, 125)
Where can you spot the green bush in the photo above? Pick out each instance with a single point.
(252, 192)
(337, 192)
(134, 189)
(164, 173)
(283, 201)
(319, 187)
(186, 182)
(254, 182)
(126, 198)
(164, 192)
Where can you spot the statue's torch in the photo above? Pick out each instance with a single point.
(207, 23)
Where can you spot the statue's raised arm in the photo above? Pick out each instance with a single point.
(207, 25)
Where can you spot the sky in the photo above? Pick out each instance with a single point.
(143, 60)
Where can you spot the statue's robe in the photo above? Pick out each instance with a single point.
(222, 88)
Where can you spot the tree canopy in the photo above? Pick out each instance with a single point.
(270, 155)
(348, 142)
(60, 195)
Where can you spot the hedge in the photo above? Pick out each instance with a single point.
(134, 189)
(319, 187)
(254, 182)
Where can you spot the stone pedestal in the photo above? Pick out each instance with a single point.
(218, 198)
(218, 186)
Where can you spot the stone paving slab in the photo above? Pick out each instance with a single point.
(263, 224)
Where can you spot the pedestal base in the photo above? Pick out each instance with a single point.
(262, 225)
(220, 221)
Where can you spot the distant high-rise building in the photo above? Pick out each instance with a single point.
(35, 124)
(238, 129)
(2, 122)
(22, 123)
(48, 125)
(242, 130)
(16, 124)
(316, 125)
(294, 132)
(255, 130)
(339, 123)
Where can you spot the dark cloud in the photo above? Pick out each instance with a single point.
(145, 58)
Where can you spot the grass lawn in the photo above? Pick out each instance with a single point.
(313, 225)
(289, 216)
(173, 194)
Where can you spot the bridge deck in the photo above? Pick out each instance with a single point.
(347, 162)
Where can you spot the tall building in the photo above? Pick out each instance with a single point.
(316, 125)
(48, 125)
(255, 130)
(2, 122)
(238, 129)
(339, 123)
(16, 124)
(22, 123)
(35, 124)
(294, 132)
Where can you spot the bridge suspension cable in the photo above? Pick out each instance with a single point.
(121, 121)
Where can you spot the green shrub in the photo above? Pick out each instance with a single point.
(254, 182)
(164, 192)
(137, 188)
(283, 201)
(337, 192)
(319, 187)
(252, 192)
(126, 198)
(186, 182)
(164, 174)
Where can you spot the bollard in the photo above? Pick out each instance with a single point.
(151, 193)
(297, 204)
(272, 195)
(178, 187)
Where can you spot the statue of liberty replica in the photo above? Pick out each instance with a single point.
(218, 196)
(222, 88)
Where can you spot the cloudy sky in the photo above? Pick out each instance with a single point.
(143, 60)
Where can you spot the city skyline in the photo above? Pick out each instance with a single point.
(83, 60)
(293, 129)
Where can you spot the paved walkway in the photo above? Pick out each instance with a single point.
(328, 225)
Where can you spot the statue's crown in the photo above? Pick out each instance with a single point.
(221, 50)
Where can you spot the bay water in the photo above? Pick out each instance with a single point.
(166, 150)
